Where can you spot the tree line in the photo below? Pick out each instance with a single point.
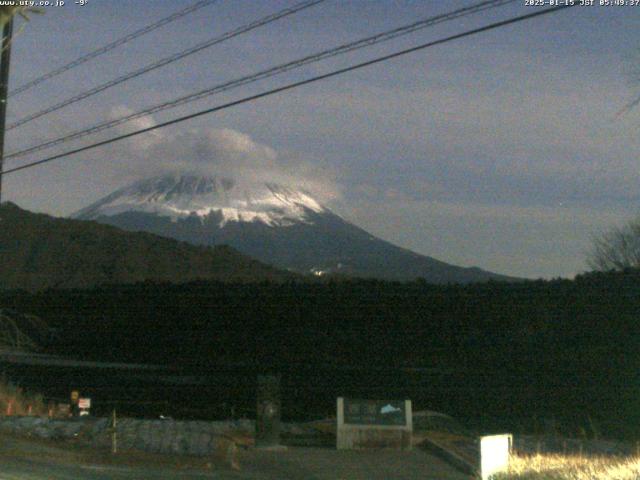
(563, 349)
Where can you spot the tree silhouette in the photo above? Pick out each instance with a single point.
(617, 249)
(9, 12)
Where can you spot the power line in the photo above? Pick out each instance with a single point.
(291, 86)
(628, 107)
(112, 45)
(168, 60)
(345, 48)
(316, 57)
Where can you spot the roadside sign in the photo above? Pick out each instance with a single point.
(364, 424)
(495, 451)
(374, 412)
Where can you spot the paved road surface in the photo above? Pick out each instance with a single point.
(22, 459)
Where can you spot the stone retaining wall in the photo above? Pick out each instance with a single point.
(155, 436)
(202, 438)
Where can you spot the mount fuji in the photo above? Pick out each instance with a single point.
(282, 226)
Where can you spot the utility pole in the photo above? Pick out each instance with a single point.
(5, 58)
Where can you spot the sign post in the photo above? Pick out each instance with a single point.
(74, 397)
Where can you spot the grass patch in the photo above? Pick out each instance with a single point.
(571, 467)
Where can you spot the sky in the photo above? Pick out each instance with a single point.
(504, 150)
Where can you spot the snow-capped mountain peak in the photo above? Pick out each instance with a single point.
(181, 196)
(277, 225)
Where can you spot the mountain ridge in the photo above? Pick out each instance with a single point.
(280, 226)
(38, 251)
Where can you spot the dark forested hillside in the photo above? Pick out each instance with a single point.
(562, 349)
(39, 251)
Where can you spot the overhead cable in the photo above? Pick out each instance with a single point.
(166, 61)
(291, 86)
(270, 72)
(111, 46)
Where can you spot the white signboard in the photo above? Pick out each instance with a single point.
(494, 454)
(84, 403)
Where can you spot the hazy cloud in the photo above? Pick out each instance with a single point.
(216, 151)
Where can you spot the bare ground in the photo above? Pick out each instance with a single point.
(28, 459)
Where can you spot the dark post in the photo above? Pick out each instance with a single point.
(75, 398)
(5, 58)
(114, 432)
(268, 412)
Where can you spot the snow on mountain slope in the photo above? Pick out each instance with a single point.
(184, 196)
(277, 225)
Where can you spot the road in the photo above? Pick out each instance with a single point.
(25, 459)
